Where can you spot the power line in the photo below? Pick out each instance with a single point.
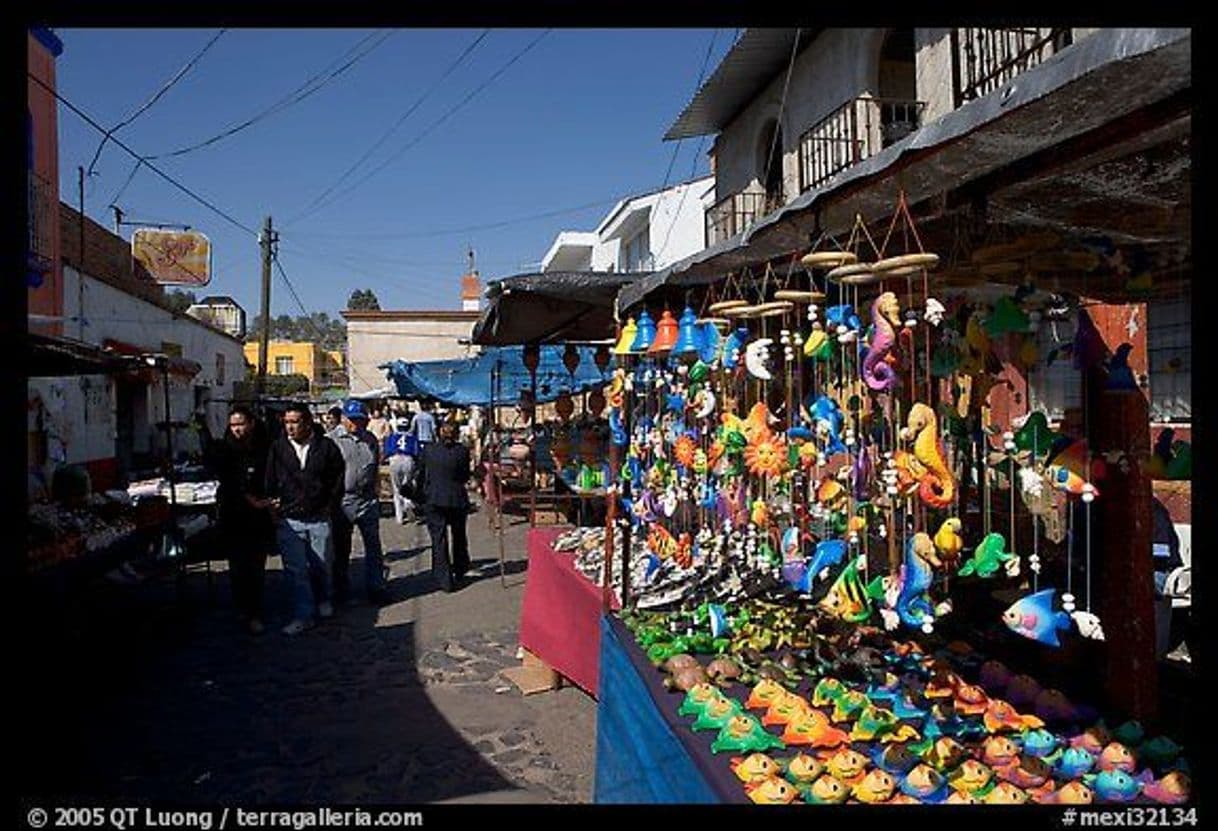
(308, 317)
(92, 123)
(426, 290)
(164, 89)
(469, 97)
(781, 107)
(385, 136)
(295, 97)
(697, 86)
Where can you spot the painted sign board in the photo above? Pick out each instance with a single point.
(173, 258)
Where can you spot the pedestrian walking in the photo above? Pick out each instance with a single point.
(423, 426)
(378, 425)
(444, 469)
(401, 449)
(305, 483)
(360, 506)
(331, 418)
(238, 461)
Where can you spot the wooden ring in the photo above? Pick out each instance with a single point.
(715, 321)
(799, 296)
(828, 259)
(917, 261)
(723, 305)
(775, 306)
(739, 311)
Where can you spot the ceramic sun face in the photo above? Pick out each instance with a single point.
(767, 456)
(683, 451)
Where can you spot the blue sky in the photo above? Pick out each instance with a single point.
(575, 121)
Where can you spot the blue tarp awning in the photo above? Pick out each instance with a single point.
(467, 382)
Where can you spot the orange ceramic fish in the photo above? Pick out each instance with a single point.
(971, 700)
(1001, 716)
(1000, 751)
(813, 728)
(876, 786)
(772, 791)
(903, 799)
(941, 685)
(756, 767)
(1026, 772)
(1071, 793)
(784, 709)
(1116, 756)
(961, 798)
(764, 694)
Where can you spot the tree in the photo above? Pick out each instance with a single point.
(180, 300)
(363, 300)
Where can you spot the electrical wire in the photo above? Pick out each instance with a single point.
(697, 86)
(782, 106)
(394, 127)
(295, 97)
(181, 73)
(427, 131)
(92, 123)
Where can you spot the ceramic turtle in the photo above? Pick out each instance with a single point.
(684, 679)
(723, 669)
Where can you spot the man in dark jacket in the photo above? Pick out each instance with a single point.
(304, 480)
(239, 463)
(443, 471)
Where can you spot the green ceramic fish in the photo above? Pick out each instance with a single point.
(827, 691)
(717, 713)
(872, 722)
(988, 557)
(745, 733)
(1159, 752)
(698, 697)
(849, 705)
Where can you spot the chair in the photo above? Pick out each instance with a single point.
(1179, 584)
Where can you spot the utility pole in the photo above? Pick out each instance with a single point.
(267, 239)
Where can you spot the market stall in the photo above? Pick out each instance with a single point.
(861, 565)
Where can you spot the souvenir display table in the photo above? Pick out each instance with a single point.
(560, 612)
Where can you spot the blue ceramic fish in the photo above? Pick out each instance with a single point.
(791, 548)
(1114, 785)
(1073, 763)
(1039, 743)
(1034, 618)
(896, 758)
(719, 624)
(828, 553)
(733, 348)
(901, 708)
(824, 409)
(843, 316)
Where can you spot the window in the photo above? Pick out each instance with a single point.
(1170, 352)
(1058, 386)
(285, 365)
(636, 254)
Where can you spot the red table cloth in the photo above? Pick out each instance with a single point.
(561, 610)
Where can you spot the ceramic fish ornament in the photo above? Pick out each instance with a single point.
(1172, 789)
(1074, 762)
(1002, 716)
(813, 728)
(1116, 756)
(1033, 617)
(803, 769)
(772, 791)
(743, 732)
(925, 784)
(876, 786)
(827, 790)
(1114, 785)
(1071, 793)
(847, 766)
(756, 767)
(716, 713)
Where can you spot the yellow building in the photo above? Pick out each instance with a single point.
(323, 367)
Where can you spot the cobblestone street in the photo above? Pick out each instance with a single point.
(154, 692)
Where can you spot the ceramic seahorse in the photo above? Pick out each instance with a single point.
(936, 487)
(913, 606)
(885, 317)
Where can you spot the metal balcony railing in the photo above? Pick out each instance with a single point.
(733, 214)
(859, 128)
(985, 59)
(42, 213)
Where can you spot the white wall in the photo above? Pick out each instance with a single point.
(678, 217)
(77, 414)
(839, 65)
(374, 342)
(112, 313)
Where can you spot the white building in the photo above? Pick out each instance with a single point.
(109, 423)
(642, 233)
(220, 311)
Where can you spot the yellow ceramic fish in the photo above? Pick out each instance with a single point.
(756, 767)
(784, 709)
(804, 769)
(903, 733)
(847, 766)
(812, 728)
(970, 777)
(773, 791)
(1000, 751)
(827, 790)
(876, 786)
(1005, 793)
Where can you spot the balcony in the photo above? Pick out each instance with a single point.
(854, 131)
(985, 59)
(42, 213)
(735, 213)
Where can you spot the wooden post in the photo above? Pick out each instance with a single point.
(1121, 521)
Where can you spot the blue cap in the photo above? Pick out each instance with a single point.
(354, 409)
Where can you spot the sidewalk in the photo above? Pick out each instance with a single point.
(156, 698)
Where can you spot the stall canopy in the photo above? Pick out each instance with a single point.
(54, 356)
(498, 375)
(554, 306)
